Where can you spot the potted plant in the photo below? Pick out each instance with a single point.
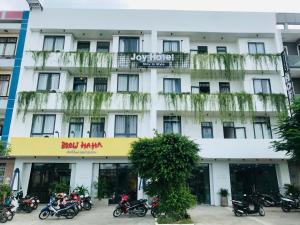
(224, 197)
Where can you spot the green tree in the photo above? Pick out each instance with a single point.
(4, 149)
(289, 133)
(166, 162)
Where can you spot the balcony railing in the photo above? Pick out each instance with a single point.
(294, 61)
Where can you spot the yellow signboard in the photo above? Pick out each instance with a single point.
(88, 147)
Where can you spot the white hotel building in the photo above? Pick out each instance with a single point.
(82, 100)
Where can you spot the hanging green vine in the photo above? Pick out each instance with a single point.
(40, 55)
(265, 59)
(277, 101)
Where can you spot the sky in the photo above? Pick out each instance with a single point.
(211, 5)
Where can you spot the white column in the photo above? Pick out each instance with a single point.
(72, 179)
(83, 175)
(283, 175)
(110, 125)
(95, 177)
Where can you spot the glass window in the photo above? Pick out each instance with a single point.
(126, 126)
(100, 84)
(262, 128)
(240, 132)
(48, 82)
(171, 46)
(54, 43)
(8, 46)
(76, 127)
(97, 127)
(128, 83)
(262, 86)
(224, 87)
(172, 85)
(202, 50)
(256, 48)
(207, 130)
(42, 125)
(222, 49)
(103, 46)
(172, 124)
(204, 87)
(83, 46)
(80, 84)
(4, 84)
(129, 44)
(229, 130)
(2, 172)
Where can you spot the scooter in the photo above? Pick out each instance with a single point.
(290, 202)
(139, 207)
(54, 209)
(154, 207)
(86, 202)
(271, 200)
(241, 208)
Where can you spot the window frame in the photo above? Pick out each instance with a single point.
(47, 86)
(237, 128)
(211, 128)
(126, 134)
(8, 86)
(53, 45)
(129, 37)
(221, 47)
(127, 85)
(171, 41)
(224, 83)
(99, 83)
(101, 120)
(89, 42)
(232, 127)
(43, 126)
(254, 42)
(208, 87)
(99, 42)
(173, 79)
(269, 82)
(75, 123)
(199, 46)
(172, 122)
(5, 45)
(268, 123)
(84, 78)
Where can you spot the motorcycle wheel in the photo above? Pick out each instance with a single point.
(87, 206)
(117, 212)
(3, 217)
(261, 211)
(285, 208)
(28, 209)
(44, 215)
(142, 211)
(10, 215)
(155, 213)
(35, 206)
(70, 213)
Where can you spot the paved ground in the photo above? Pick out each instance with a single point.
(202, 215)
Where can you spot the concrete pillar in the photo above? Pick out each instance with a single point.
(72, 179)
(96, 167)
(83, 175)
(110, 125)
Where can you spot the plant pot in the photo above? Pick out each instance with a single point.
(224, 201)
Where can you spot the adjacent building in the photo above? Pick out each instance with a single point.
(93, 81)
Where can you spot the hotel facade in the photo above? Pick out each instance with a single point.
(93, 81)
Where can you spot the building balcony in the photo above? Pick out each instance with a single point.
(294, 61)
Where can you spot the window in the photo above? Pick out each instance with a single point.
(128, 82)
(4, 84)
(97, 127)
(202, 50)
(229, 130)
(79, 84)
(224, 87)
(1, 126)
(129, 44)
(171, 46)
(207, 130)
(172, 124)
(8, 46)
(100, 84)
(83, 46)
(42, 125)
(103, 46)
(54, 43)
(2, 172)
(204, 87)
(262, 86)
(172, 85)
(240, 133)
(262, 128)
(126, 126)
(76, 127)
(256, 48)
(48, 82)
(222, 49)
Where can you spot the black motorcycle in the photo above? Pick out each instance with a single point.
(249, 205)
(290, 202)
(271, 200)
(86, 202)
(139, 207)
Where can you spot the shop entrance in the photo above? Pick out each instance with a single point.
(249, 178)
(116, 179)
(199, 184)
(43, 175)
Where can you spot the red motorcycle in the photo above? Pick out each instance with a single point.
(154, 207)
(126, 206)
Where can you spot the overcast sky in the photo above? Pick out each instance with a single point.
(218, 5)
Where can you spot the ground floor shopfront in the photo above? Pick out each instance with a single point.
(109, 175)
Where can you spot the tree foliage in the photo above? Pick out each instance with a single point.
(289, 133)
(166, 162)
(4, 149)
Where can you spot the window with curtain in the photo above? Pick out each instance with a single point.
(172, 85)
(172, 124)
(83, 46)
(128, 83)
(54, 43)
(8, 46)
(262, 86)
(48, 82)
(256, 47)
(126, 126)
(229, 130)
(262, 128)
(207, 130)
(224, 87)
(97, 127)
(171, 46)
(42, 125)
(4, 84)
(80, 84)
(100, 84)
(129, 44)
(76, 127)
(222, 49)
(103, 46)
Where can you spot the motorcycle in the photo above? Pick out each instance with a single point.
(241, 208)
(22, 204)
(271, 200)
(56, 209)
(75, 198)
(139, 207)
(154, 207)
(35, 201)
(86, 202)
(290, 202)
